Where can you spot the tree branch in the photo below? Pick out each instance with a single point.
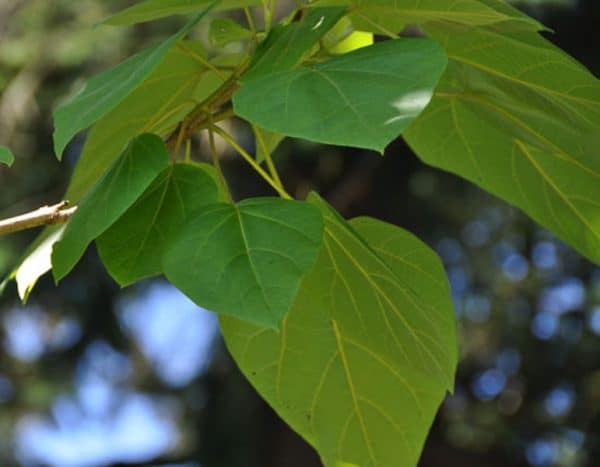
(46, 215)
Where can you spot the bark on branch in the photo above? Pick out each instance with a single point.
(46, 215)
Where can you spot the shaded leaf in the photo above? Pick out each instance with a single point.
(179, 82)
(144, 158)
(367, 352)
(519, 118)
(365, 98)
(167, 95)
(287, 44)
(132, 248)
(222, 31)
(103, 92)
(246, 260)
(155, 9)
(6, 156)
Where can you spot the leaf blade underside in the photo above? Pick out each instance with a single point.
(520, 118)
(350, 370)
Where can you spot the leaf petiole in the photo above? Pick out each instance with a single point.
(227, 137)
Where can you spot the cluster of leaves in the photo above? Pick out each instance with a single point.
(344, 327)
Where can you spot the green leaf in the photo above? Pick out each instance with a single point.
(515, 19)
(144, 158)
(519, 118)
(156, 106)
(155, 9)
(103, 92)
(367, 352)
(266, 142)
(288, 44)
(365, 98)
(6, 156)
(132, 247)
(246, 260)
(390, 16)
(222, 31)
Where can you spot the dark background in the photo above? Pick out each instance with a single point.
(91, 375)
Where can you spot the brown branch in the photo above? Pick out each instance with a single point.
(46, 215)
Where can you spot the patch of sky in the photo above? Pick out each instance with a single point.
(594, 320)
(542, 453)
(488, 384)
(567, 295)
(508, 361)
(29, 333)
(477, 307)
(173, 333)
(544, 255)
(545, 325)
(449, 250)
(560, 400)
(476, 233)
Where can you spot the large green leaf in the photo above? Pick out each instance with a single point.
(521, 119)
(119, 188)
(6, 156)
(390, 16)
(287, 44)
(154, 9)
(365, 98)
(103, 92)
(367, 352)
(246, 260)
(132, 248)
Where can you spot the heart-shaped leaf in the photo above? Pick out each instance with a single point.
(246, 260)
(367, 352)
(365, 98)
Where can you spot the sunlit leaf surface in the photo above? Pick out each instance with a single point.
(367, 352)
(365, 98)
(520, 118)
